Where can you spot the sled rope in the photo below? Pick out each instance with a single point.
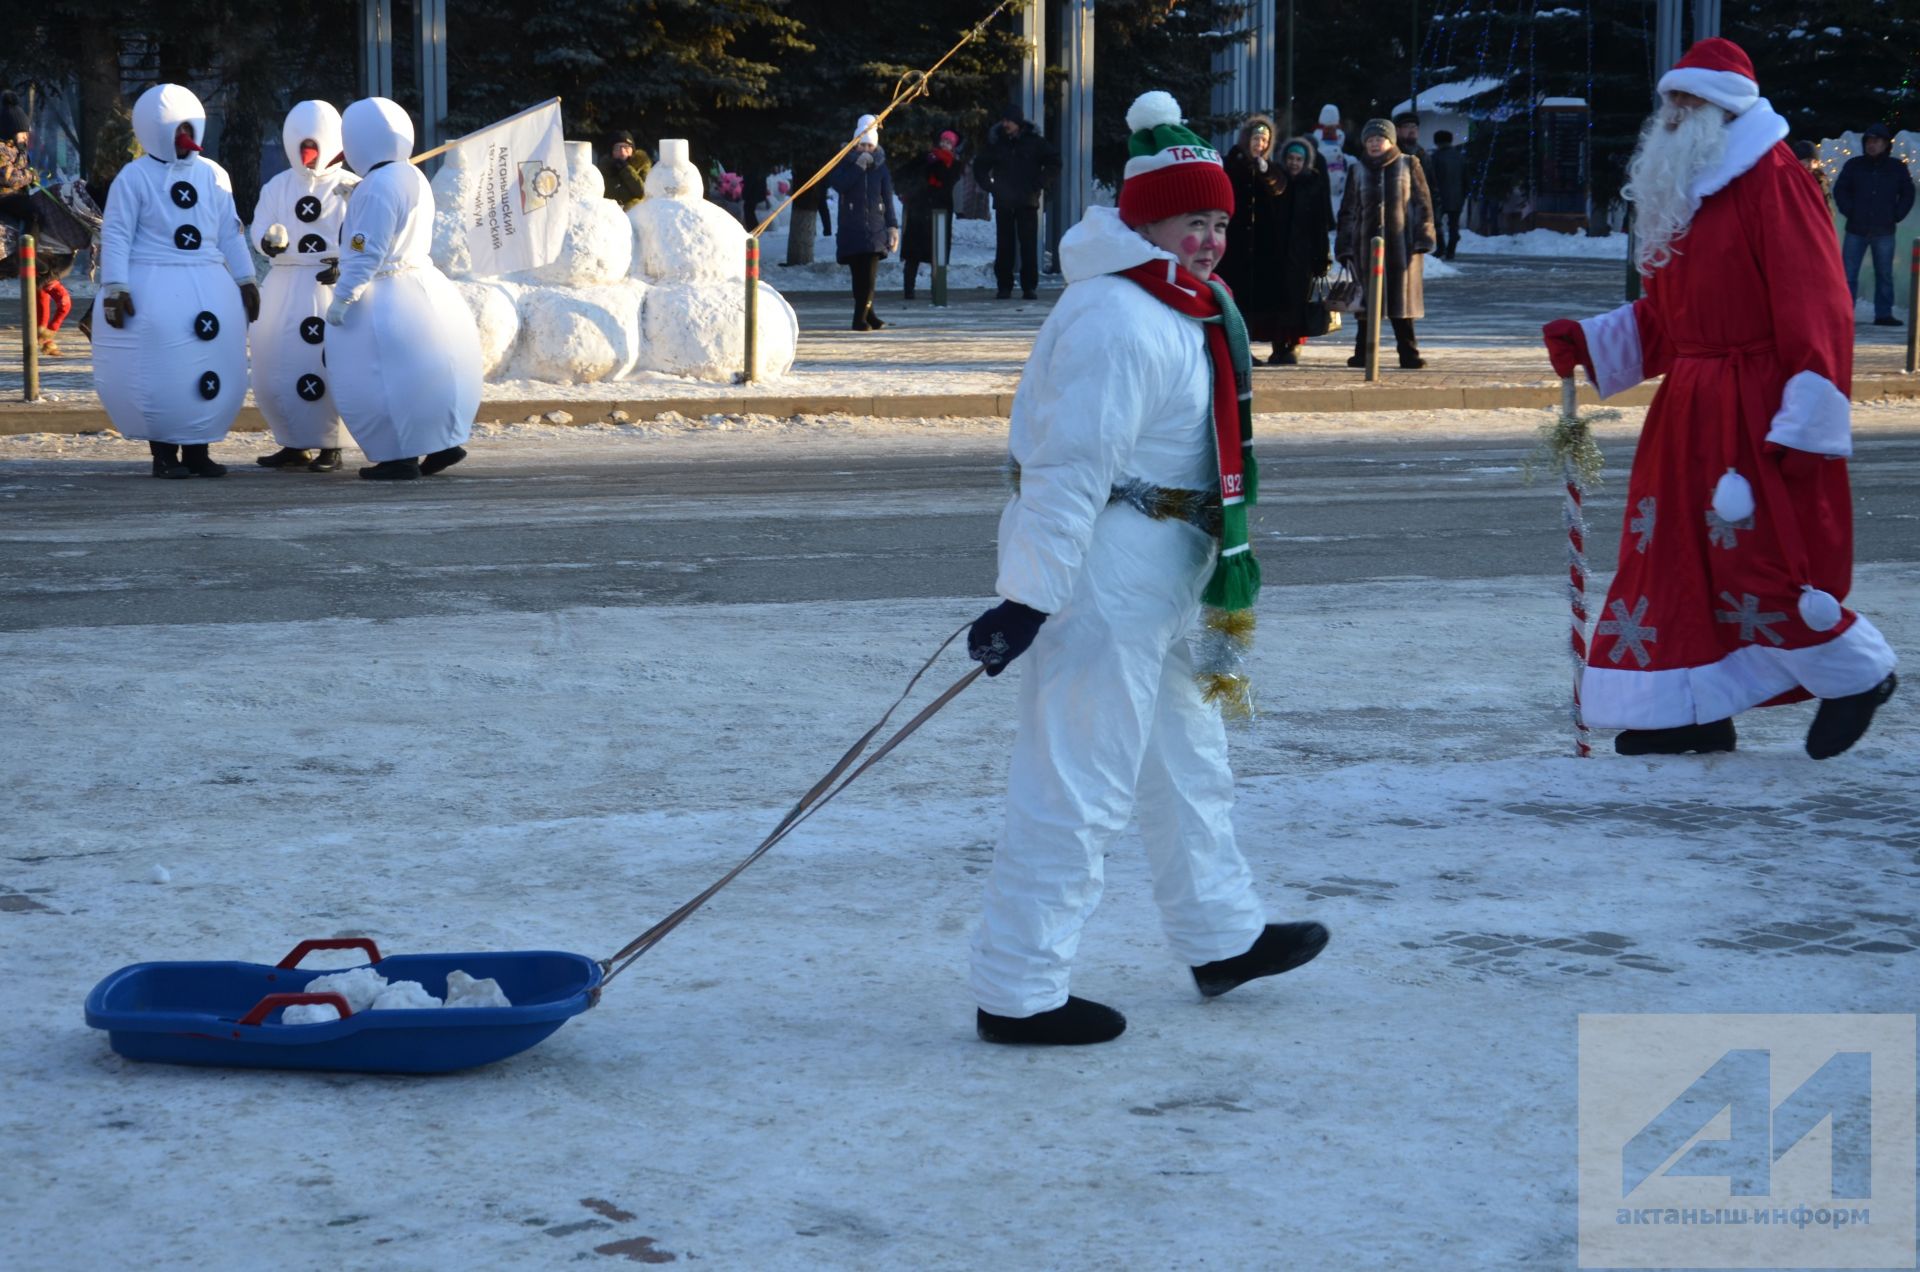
(812, 802)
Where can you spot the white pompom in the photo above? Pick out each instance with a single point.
(1151, 110)
(1818, 609)
(1732, 498)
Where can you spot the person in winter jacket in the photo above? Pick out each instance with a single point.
(1131, 450)
(1808, 155)
(1447, 181)
(52, 303)
(1014, 167)
(1406, 135)
(1737, 550)
(1387, 197)
(16, 172)
(869, 228)
(624, 170)
(1330, 139)
(1277, 242)
(926, 187)
(1874, 191)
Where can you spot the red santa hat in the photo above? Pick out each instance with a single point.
(1718, 71)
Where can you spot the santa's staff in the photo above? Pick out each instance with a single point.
(1567, 445)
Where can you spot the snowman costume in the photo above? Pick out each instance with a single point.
(297, 225)
(401, 342)
(1118, 396)
(176, 372)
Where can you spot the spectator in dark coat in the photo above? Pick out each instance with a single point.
(869, 229)
(1406, 135)
(1874, 192)
(624, 170)
(1447, 178)
(1387, 196)
(926, 186)
(16, 174)
(1015, 167)
(808, 217)
(1809, 156)
(1277, 239)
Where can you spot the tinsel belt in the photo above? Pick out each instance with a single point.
(1198, 508)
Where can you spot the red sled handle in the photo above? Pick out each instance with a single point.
(305, 948)
(264, 1008)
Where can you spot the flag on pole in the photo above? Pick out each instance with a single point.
(515, 215)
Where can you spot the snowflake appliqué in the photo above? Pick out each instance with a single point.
(1630, 633)
(1722, 533)
(1642, 525)
(1754, 623)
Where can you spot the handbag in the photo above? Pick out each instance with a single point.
(1321, 319)
(1345, 295)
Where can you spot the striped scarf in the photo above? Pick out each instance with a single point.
(1230, 593)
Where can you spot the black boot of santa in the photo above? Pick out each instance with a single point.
(166, 460)
(1839, 722)
(1688, 739)
(1281, 948)
(1077, 1022)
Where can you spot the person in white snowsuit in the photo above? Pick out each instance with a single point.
(1113, 425)
(297, 225)
(177, 292)
(404, 351)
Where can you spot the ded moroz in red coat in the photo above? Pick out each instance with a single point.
(1751, 324)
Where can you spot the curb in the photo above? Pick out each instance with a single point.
(90, 417)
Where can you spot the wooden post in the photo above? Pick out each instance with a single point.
(30, 316)
(942, 228)
(753, 308)
(1376, 297)
(1913, 313)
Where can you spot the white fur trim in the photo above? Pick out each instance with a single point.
(1818, 609)
(1853, 662)
(1749, 137)
(1613, 340)
(1732, 497)
(1729, 90)
(1814, 416)
(1152, 109)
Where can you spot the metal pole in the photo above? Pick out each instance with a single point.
(942, 229)
(1913, 314)
(1076, 114)
(1413, 61)
(1706, 19)
(30, 316)
(1033, 94)
(753, 309)
(1288, 123)
(376, 48)
(430, 68)
(1668, 32)
(1376, 296)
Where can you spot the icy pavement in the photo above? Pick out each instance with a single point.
(791, 1079)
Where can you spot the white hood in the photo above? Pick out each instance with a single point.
(158, 114)
(316, 121)
(1104, 244)
(377, 131)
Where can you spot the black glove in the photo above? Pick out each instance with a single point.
(330, 275)
(1002, 634)
(116, 306)
(250, 297)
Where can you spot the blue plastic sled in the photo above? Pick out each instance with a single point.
(229, 1013)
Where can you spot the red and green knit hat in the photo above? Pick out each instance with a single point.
(1170, 169)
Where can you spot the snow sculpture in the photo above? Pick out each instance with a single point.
(680, 236)
(575, 334)
(496, 315)
(176, 372)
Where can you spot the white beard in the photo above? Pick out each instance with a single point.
(1678, 144)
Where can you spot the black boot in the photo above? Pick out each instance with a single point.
(283, 457)
(442, 459)
(1284, 356)
(1281, 948)
(328, 461)
(1075, 1023)
(1410, 360)
(873, 321)
(199, 463)
(393, 470)
(166, 460)
(1839, 722)
(1688, 739)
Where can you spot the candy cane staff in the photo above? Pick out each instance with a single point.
(1738, 547)
(402, 344)
(177, 292)
(1132, 456)
(297, 225)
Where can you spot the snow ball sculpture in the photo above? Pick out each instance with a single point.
(679, 236)
(496, 316)
(577, 334)
(598, 247)
(699, 329)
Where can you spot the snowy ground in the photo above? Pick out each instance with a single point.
(791, 1079)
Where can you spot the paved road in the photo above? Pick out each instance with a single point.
(85, 545)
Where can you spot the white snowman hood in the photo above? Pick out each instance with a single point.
(316, 121)
(158, 114)
(377, 131)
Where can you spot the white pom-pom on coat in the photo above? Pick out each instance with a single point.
(1818, 609)
(1733, 498)
(1153, 109)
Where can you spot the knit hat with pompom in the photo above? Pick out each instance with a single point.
(1170, 169)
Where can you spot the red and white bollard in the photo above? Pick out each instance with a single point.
(1576, 572)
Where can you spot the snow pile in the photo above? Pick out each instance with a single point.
(1544, 243)
(367, 990)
